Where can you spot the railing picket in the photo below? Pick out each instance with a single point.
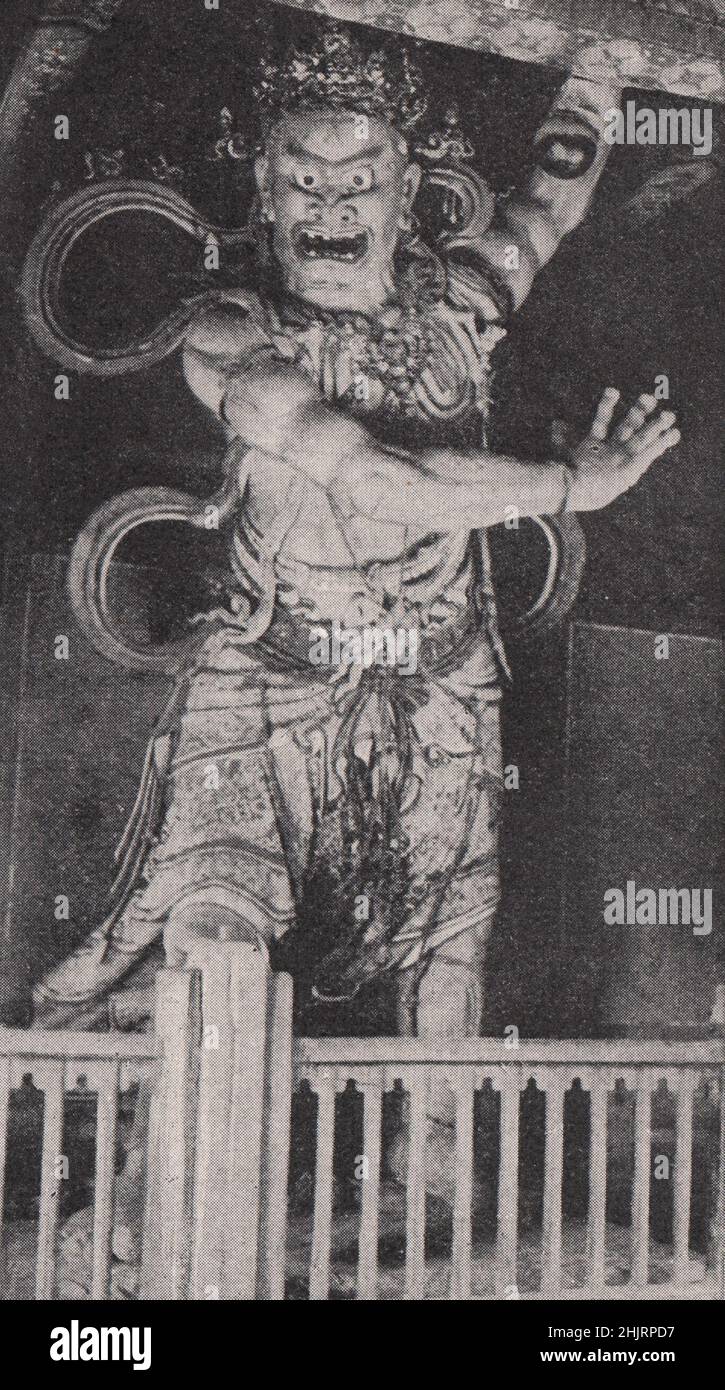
(641, 1185)
(276, 1143)
(460, 1281)
(683, 1179)
(596, 1225)
(4, 1101)
(508, 1184)
(718, 1235)
(367, 1276)
(106, 1126)
(53, 1082)
(322, 1219)
(553, 1172)
(415, 1272)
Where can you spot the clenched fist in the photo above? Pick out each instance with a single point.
(610, 461)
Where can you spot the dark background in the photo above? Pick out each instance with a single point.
(629, 296)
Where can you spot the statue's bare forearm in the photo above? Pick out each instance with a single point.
(450, 491)
(278, 410)
(275, 408)
(469, 491)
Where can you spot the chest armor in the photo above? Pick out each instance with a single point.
(415, 376)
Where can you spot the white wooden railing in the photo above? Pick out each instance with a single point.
(103, 1065)
(689, 1072)
(225, 1069)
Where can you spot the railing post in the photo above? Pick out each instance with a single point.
(276, 1143)
(171, 1141)
(720, 1204)
(556, 1086)
(53, 1082)
(232, 1066)
(717, 1026)
(4, 1106)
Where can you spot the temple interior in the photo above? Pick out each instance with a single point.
(617, 753)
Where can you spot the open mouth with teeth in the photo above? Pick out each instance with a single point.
(322, 246)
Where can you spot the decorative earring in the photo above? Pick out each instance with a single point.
(409, 229)
(267, 213)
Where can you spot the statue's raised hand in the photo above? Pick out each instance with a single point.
(610, 461)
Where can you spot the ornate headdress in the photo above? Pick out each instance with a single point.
(335, 71)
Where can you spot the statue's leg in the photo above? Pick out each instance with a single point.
(74, 1260)
(439, 999)
(451, 830)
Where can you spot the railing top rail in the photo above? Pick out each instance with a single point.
(568, 1052)
(93, 1047)
(389, 1051)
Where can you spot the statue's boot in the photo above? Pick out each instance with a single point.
(74, 1259)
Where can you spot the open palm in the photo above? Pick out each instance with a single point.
(610, 461)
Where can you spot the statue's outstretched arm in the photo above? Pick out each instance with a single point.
(277, 409)
(570, 151)
(609, 461)
(236, 369)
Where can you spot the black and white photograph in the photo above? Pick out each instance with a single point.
(361, 398)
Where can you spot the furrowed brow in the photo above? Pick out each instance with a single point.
(299, 152)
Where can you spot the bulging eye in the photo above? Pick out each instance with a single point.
(362, 180)
(307, 179)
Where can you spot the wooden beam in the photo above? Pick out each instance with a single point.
(31, 1043)
(647, 44)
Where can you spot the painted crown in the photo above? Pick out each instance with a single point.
(335, 71)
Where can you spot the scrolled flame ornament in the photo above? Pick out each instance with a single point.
(45, 264)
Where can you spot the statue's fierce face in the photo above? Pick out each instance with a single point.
(338, 189)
